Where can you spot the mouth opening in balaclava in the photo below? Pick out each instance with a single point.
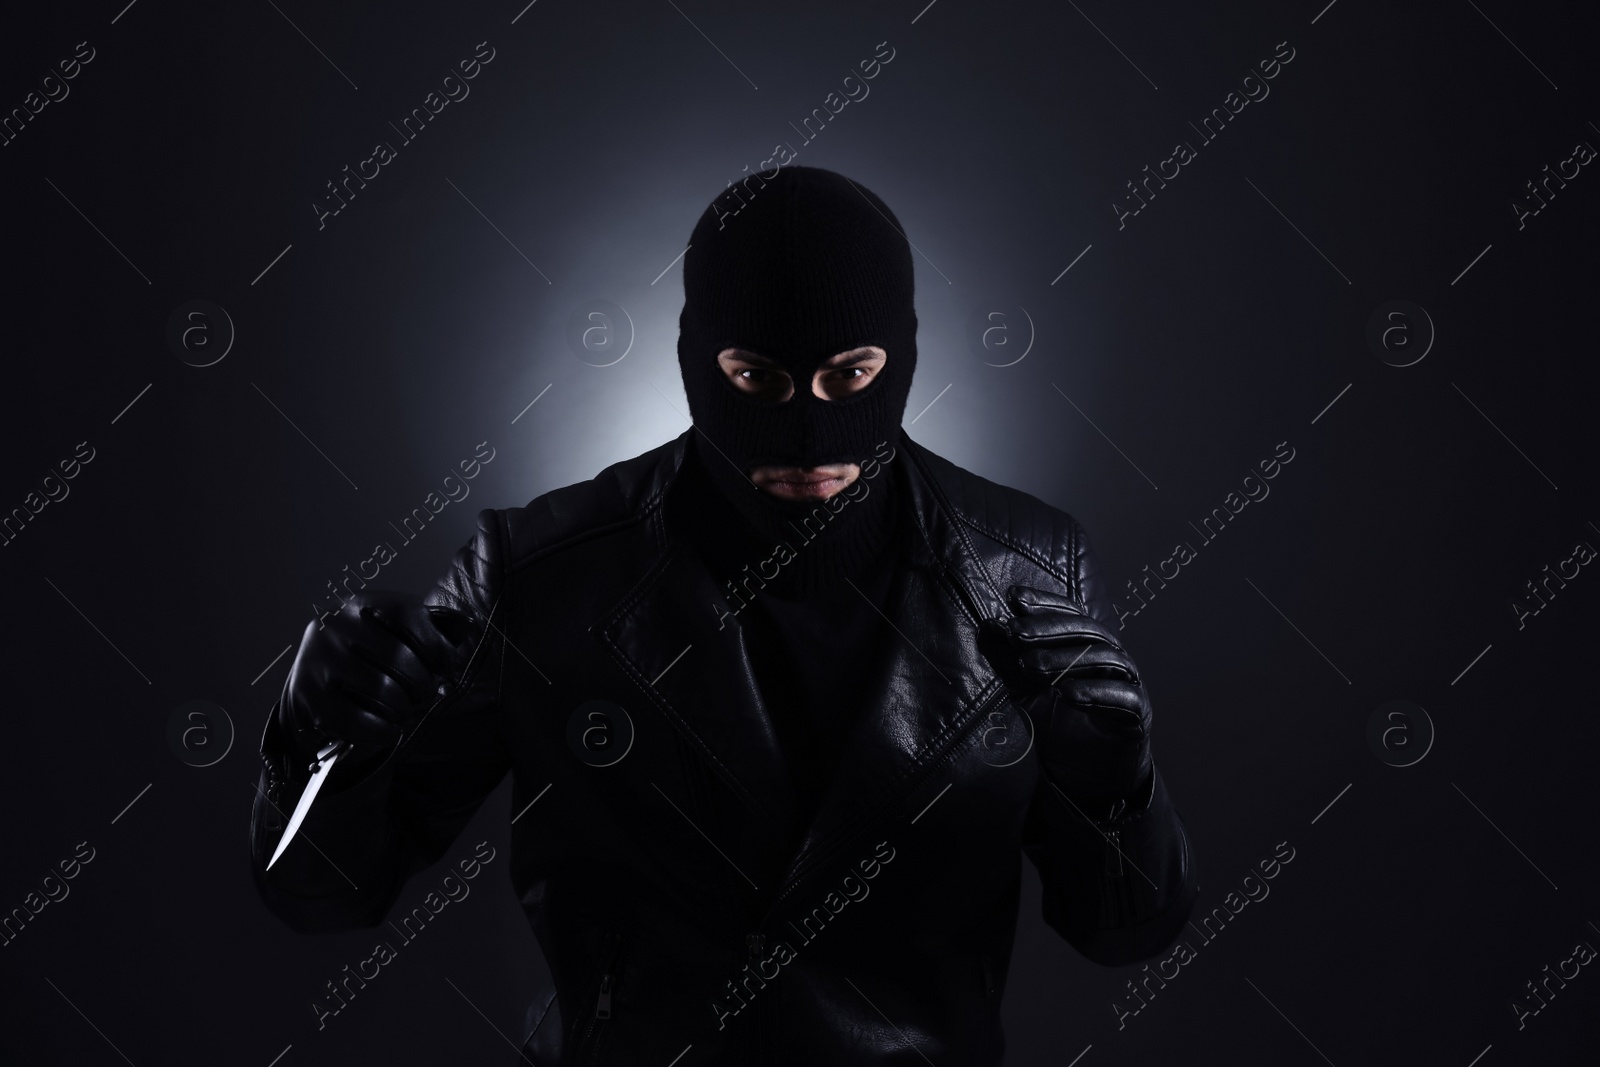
(797, 266)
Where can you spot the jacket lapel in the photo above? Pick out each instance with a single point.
(667, 636)
(695, 667)
(932, 679)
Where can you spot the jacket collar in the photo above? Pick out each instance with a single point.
(670, 635)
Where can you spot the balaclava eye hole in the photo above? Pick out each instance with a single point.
(772, 393)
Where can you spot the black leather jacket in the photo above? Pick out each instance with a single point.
(673, 917)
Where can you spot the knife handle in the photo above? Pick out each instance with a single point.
(332, 750)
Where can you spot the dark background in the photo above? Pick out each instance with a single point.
(1220, 321)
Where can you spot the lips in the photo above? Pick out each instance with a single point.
(804, 477)
(803, 483)
(807, 490)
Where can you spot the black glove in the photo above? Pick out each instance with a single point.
(1082, 690)
(367, 677)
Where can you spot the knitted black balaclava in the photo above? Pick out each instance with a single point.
(797, 266)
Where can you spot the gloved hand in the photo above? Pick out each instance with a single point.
(367, 676)
(1082, 690)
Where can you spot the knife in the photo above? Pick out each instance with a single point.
(327, 756)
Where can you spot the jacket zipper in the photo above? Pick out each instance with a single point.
(855, 830)
(755, 939)
(735, 898)
(589, 1044)
(754, 943)
(1112, 882)
(1113, 864)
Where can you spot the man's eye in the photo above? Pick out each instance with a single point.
(765, 383)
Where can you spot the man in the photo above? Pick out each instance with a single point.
(793, 693)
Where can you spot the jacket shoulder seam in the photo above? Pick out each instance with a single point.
(1073, 531)
(640, 509)
(1027, 551)
(539, 552)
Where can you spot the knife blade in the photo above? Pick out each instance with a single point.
(327, 756)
